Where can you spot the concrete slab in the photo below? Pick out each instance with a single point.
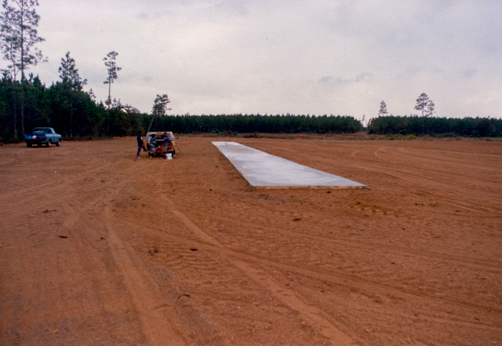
(264, 170)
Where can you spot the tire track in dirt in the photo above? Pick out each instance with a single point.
(407, 252)
(412, 177)
(452, 156)
(66, 193)
(362, 285)
(352, 282)
(288, 297)
(77, 199)
(33, 192)
(372, 289)
(61, 189)
(344, 278)
(64, 263)
(493, 264)
(455, 166)
(144, 292)
(315, 315)
(155, 312)
(339, 277)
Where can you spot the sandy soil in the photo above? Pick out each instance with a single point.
(98, 248)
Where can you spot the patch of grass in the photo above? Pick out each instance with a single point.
(251, 135)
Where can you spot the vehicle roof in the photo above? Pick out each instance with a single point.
(161, 133)
(45, 129)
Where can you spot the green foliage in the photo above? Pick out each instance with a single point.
(160, 105)
(18, 37)
(74, 114)
(71, 81)
(69, 74)
(239, 123)
(112, 68)
(425, 105)
(52, 106)
(415, 125)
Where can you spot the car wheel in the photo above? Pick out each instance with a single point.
(48, 143)
(58, 143)
(28, 145)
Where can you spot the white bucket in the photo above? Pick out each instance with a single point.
(169, 156)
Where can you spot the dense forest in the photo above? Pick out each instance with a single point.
(415, 125)
(72, 113)
(258, 123)
(75, 114)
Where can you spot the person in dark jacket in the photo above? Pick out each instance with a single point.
(141, 145)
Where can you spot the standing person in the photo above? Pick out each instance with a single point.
(151, 144)
(167, 141)
(141, 145)
(167, 145)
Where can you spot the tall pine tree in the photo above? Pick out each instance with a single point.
(383, 109)
(19, 36)
(71, 81)
(112, 68)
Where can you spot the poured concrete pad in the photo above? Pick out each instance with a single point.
(264, 170)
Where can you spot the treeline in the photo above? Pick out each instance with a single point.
(72, 113)
(75, 114)
(415, 125)
(239, 123)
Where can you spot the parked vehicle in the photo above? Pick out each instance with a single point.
(159, 137)
(160, 149)
(42, 135)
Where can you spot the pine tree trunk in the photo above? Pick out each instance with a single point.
(110, 104)
(15, 117)
(22, 71)
(71, 114)
(22, 105)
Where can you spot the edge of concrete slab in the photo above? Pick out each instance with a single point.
(277, 187)
(251, 187)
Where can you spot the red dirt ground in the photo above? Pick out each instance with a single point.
(98, 248)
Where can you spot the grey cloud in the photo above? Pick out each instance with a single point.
(330, 80)
(469, 72)
(232, 8)
(143, 15)
(438, 70)
(222, 55)
(363, 77)
(325, 80)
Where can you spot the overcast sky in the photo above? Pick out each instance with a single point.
(276, 57)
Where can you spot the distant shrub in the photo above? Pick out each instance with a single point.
(415, 125)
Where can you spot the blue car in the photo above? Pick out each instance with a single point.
(42, 135)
